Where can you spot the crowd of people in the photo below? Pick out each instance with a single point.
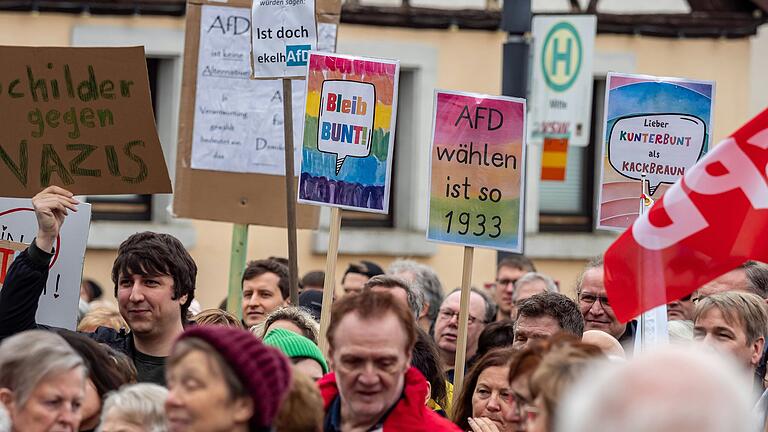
(537, 360)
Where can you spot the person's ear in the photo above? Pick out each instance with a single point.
(429, 392)
(6, 398)
(424, 311)
(243, 410)
(183, 299)
(757, 351)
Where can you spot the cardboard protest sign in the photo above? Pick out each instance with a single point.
(81, 119)
(58, 304)
(561, 88)
(282, 35)
(349, 132)
(658, 127)
(231, 128)
(476, 187)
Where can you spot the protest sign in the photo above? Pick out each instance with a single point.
(349, 132)
(237, 163)
(654, 126)
(709, 222)
(59, 301)
(82, 119)
(561, 88)
(476, 190)
(283, 34)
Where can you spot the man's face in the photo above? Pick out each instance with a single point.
(370, 358)
(447, 323)
(592, 303)
(353, 283)
(146, 303)
(528, 329)
(524, 292)
(681, 309)
(505, 285)
(712, 329)
(734, 280)
(261, 296)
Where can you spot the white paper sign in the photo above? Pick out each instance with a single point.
(283, 34)
(561, 89)
(238, 121)
(58, 303)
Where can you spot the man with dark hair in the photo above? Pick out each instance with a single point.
(313, 280)
(509, 270)
(399, 288)
(265, 289)
(545, 314)
(357, 274)
(154, 279)
(373, 386)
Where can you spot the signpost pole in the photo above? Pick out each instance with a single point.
(290, 192)
(330, 276)
(236, 265)
(461, 343)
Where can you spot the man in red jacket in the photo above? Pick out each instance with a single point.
(373, 388)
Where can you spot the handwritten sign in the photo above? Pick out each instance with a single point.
(283, 34)
(478, 153)
(661, 146)
(349, 132)
(657, 127)
(58, 304)
(82, 119)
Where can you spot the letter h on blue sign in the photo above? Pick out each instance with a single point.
(297, 55)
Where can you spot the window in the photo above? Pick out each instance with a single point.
(128, 207)
(569, 205)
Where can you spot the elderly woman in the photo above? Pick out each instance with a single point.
(223, 379)
(42, 382)
(485, 397)
(135, 408)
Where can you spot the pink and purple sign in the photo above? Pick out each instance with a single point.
(478, 167)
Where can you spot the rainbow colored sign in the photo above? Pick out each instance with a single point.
(349, 132)
(478, 167)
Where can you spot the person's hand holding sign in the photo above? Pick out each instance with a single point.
(51, 207)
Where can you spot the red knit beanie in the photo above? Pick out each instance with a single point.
(264, 371)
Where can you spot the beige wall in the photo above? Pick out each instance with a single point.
(468, 60)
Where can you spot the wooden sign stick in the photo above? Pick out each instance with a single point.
(461, 343)
(237, 258)
(290, 192)
(330, 277)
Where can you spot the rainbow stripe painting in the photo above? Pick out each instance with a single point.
(478, 166)
(349, 132)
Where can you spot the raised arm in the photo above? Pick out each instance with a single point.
(28, 274)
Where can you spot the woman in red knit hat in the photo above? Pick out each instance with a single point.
(224, 379)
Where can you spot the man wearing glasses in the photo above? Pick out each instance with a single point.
(481, 311)
(510, 269)
(596, 308)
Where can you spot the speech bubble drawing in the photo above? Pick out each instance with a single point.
(661, 146)
(345, 125)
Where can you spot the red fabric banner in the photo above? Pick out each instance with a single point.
(706, 224)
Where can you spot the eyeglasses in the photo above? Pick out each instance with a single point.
(505, 282)
(447, 315)
(590, 299)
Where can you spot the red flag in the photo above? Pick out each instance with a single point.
(706, 224)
